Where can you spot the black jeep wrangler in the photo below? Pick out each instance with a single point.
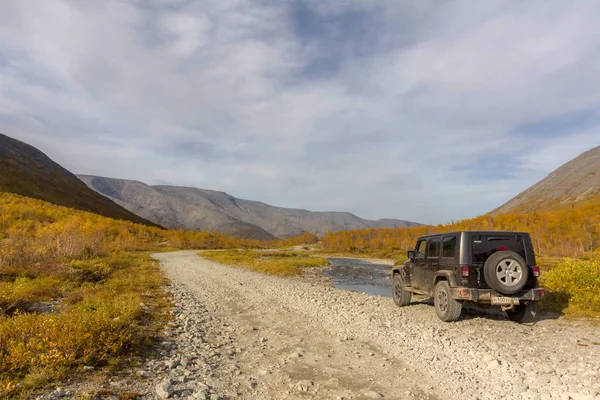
(490, 268)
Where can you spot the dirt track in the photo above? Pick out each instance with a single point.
(297, 339)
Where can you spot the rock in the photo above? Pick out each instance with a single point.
(371, 394)
(59, 392)
(581, 396)
(171, 364)
(521, 388)
(201, 394)
(185, 362)
(252, 383)
(164, 390)
(304, 386)
(493, 365)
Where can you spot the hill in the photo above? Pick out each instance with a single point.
(200, 209)
(26, 171)
(573, 182)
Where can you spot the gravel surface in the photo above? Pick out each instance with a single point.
(476, 357)
(239, 334)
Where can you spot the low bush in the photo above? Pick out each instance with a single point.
(23, 292)
(573, 287)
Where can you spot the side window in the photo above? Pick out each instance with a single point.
(449, 246)
(433, 248)
(421, 246)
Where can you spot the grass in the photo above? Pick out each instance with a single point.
(280, 263)
(110, 305)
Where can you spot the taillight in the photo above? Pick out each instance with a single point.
(541, 292)
(464, 271)
(536, 271)
(502, 248)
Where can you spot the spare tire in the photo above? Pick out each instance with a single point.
(506, 272)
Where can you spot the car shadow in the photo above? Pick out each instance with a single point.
(472, 311)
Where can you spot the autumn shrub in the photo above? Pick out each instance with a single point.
(272, 263)
(23, 292)
(90, 270)
(576, 283)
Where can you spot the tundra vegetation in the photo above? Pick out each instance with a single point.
(78, 289)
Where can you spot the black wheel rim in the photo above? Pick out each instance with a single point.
(442, 300)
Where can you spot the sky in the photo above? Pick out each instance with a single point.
(429, 111)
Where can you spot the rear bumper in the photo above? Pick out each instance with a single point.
(485, 295)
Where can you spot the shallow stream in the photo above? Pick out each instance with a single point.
(360, 276)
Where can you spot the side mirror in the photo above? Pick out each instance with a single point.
(411, 254)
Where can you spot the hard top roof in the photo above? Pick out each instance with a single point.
(474, 231)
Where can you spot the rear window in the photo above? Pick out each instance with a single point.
(486, 245)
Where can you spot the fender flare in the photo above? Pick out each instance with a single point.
(403, 270)
(445, 276)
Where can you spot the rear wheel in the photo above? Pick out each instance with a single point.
(524, 312)
(400, 295)
(446, 308)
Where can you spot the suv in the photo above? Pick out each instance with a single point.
(490, 268)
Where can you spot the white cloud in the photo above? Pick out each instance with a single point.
(384, 109)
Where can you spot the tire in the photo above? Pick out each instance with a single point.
(446, 308)
(524, 312)
(506, 272)
(401, 296)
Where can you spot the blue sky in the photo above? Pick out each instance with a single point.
(430, 111)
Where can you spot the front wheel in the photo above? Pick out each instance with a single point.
(400, 295)
(523, 313)
(446, 308)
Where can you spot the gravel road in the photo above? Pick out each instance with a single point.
(240, 334)
(307, 338)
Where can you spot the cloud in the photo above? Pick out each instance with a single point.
(430, 111)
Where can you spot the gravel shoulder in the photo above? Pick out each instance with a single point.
(304, 338)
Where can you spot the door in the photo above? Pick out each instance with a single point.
(432, 262)
(417, 274)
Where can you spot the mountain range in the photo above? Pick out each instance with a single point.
(177, 207)
(27, 171)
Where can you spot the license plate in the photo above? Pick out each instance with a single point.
(504, 301)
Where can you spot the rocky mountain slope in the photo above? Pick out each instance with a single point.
(199, 209)
(26, 171)
(577, 180)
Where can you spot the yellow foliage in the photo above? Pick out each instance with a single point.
(571, 231)
(578, 283)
